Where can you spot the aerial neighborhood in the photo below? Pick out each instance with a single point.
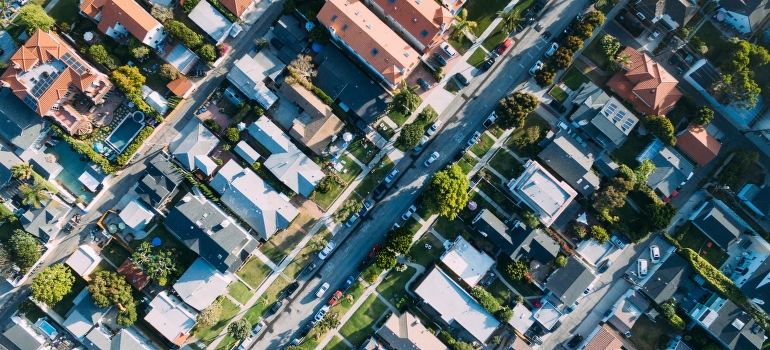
(384, 174)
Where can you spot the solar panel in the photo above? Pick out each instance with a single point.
(627, 124)
(30, 102)
(610, 109)
(43, 83)
(73, 63)
(618, 116)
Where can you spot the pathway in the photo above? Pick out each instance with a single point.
(499, 142)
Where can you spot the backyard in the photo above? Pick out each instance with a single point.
(359, 327)
(691, 237)
(254, 272)
(627, 153)
(647, 334)
(115, 253)
(712, 36)
(348, 174)
(573, 78)
(506, 164)
(65, 11)
(595, 53)
(184, 256)
(64, 305)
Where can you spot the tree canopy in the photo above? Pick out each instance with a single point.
(399, 240)
(23, 249)
(610, 46)
(513, 110)
(405, 100)
(562, 58)
(742, 87)
(544, 76)
(239, 329)
(594, 18)
(410, 135)
(128, 79)
(187, 36)
(560, 261)
(210, 315)
(207, 53)
(447, 192)
(462, 24)
(517, 270)
(704, 116)
(108, 288)
(36, 18)
(157, 263)
(599, 234)
(573, 43)
(52, 284)
(661, 127)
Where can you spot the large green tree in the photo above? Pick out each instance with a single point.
(562, 58)
(594, 18)
(399, 240)
(513, 110)
(52, 284)
(573, 43)
(207, 53)
(704, 116)
(742, 87)
(545, 76)
(22, 171)
(23, 249)
(659, 215)
(210, 315)
(187, 36)
(98, 53)
(34, 194)
(511, 20)
(661, 127)
(610, 46)
(517, 270)
(447, 192)
(157, 263)
(128, 79)
(410, 135)
(108, 288)
(239, 329)
(405, 100)
(36, 18)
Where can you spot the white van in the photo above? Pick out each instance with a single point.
(450, 51)
(641, 267)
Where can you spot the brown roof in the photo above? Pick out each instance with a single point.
(135, 276)
(181, 86)
(318, 124)
(370, 38)
(519, 344)
(422, 19)
(649, 86)
(128, 13)
(698, 144)
(237, 7)
(605, 339)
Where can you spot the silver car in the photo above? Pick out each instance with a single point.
(432, 158)
(327, 250)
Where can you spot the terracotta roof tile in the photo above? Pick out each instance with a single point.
(370, 38)
(134, 275)
(649, 86)
(605, 339)
(237, 7)
(423, 19)
(181, 86)
(128, 13)
(698, 144)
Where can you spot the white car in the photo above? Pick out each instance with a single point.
(552, 50)
(474, 138)
(653, 35)
(327, 250)
(320, 292)
(641, 267)
(321, 313)
(421, 144)
(450, 51)
(654, 254)
(433, 157)
(538, 66)
(409, 212)
(391, 176)
(433, 128)
(490, 120)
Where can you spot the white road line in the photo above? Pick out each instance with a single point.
(530, 55)
(521, 65)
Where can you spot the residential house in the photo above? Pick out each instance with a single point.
(253, 200)
(192, 147)
(83, 261)
(93, 176)
(249, 75)
(21, 335)
(119, 18)
(293, 35)
(745, 16)
(22, 129)
(602, 117)
(406, 332)
(159, 184)
(171, 317)
(352, 89)
(664, 282)
(316, 126)
(698, 144)
(46, 74)
(674, 13)
(7, 161)
(757, 199)
(286, 161)
(420, 23)
(154, 100)
(730, 326)
(84, 316)
(455, 306)
(178, 56)
(136, 215)
(181, 87)
(542, 192)
(568, 283)
(468, 263)
(720, 223)
(671, 169)
(211, 21)
(201, 284)
(249, 154)
(45, 222)
(101, 339)
(239, 7)
(355, 29)
(757, 285)
(519, 242)
(204, 228)
(605, 339)
(523, 318)
(645, 83)
(134, 275)
(547, 316)
(627, 311)
(572, 162)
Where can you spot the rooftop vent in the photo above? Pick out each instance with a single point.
(738, 324)
(225, 223)
(369, 25)
(186, 199)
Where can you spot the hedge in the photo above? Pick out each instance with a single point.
(318, 92)
(224, 11)
(128, 153)
(86, 150)
(715, 278)
(137, 100)
(489, 303)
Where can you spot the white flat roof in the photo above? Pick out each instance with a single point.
(211, 21)
(522, 318)
(170, 316)
(467, 262)
(83, 260)
(547, 315)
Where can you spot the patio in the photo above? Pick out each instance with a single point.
(212, 111)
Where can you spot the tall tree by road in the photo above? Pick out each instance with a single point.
(513, 110)
(23, 249)
(462, 25)
(446, 192)
(52, 284)
(405, 100)
(33, 195)
(511, 20)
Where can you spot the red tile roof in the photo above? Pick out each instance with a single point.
(423, 19)
(605, 339)
(181, 86)
(134, 275)
(370, 38)
(237, 7)
(649, 86)
(698, 144)
(128, 13)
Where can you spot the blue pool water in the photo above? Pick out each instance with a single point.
(124, 133)
(74, 164)
(47, 328)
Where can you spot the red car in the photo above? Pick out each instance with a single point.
(504, 46)
(336, 296)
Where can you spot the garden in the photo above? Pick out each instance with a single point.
(350, 170)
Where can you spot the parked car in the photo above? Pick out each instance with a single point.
(641, 267)
(409, 212)
(419, 146)
(321, 313)
(536, 67)
(462, 79)
(276, 306)
(450, 51)
(336, 296)
(674, 59)
(257, 327)
(367, 205)
(552, 50)
(641, 16)
(292, 288)
(327, 250)
(487, 64)
(557, 106)
(320, 292)
(306, 330)
(654, 254)
(459, 155)
(432, 158)
(379, 190)
(424, 84)
(653, 35)
(617, 242)
(352, 220)
(347, 283)
(490, 120)
(604, 266)
(433, 128)
(474, 138)
(575, 341)
(439, 59)
(504, 46)
(391, 176)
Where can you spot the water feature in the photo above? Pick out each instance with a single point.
(128, 128)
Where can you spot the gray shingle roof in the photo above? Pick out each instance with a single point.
(567, 283)
(572, 162)
(756, 10)
(192, 141)
(681, 11)
(41, 222)
(726, 328)
(159, 182)
(21, 338)
(663, 283)
(719, 223)
(7, 160)
(671, 169)
(19, 124)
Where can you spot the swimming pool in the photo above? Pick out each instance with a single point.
(128, 128)
(47, 328)
(73, 164)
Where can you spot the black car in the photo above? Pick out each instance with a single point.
(292, 288)
(462, 79)
(424, 84)
(198, 73)
(439, 59)
(379, 191)
(674, 59)
(276, 306)
(277, 43)
(557, 106)
(306, 330)
(546, 35)
(488, 64)
(459, 155)
(575, 341)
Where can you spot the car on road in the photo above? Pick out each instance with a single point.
(564, 126)
(487, 64)
(367, 206)
(409, 212)
(257, 327)
(198, 73)
(618, 242)
(674, 59)
(459, 155)
(536, 67)
(462, 79)
(347, 283)
(321, 313)
(320, 292)
(276, 306)
(654, 254)
(432, 158)
(653, 35)
(504, 46)
(424, 84)
(474, 138)
(604, 266)
(641, 267)
(379, 190)
(490, 120)
(290, 289)
(450, 51)
(439, 59)
(575, 341)
(420, 145)
(391, 176)
(546, 35)
(557, 106)
(352, 220)
(277, 43)
(327, 250)
(641, 16)
(552, 50)
(336, 296)
(306, 330)
(433, 128)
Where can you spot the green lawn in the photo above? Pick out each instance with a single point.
(351, 295)
(501, 292)
(524, 288)
(478, 57)
(461, 44)
(497, 196)
(452, 86)
(209, 333)
(627, 153)
(646, 334)
(398, 117)
(558, 94)
(483, 146)
(533, 119)
(424, 256)
(336, 344)
(364, 152)
(359, 327)
(35, 314)
(495, 38)
(350, 171)
(266, 300)
(593, 74)
(595, 53)
(281, 244)
(65, 11)
(115, 253)
(240, 292)
(369, 182)
(573, 78)
(394, 284)
(7, 228)
(64, 305)
(467, 163)
(484, 12)
(713, 39)
(412, 225)
(254, 272)
(306, 255)
(505, 164)
(184, 256)
(691, 237)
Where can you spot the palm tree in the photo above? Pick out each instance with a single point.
(34, 195)
(625, 60)
(511, 20)
(22, 171)
(405, 99)
(462, 24)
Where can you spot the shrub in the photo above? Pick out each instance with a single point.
(128, 153)
(187, 36)
(599, 234)
(517, 270)
(208, 53)
(410, 135)
(371, 274)
(319, 35)
(212, 124)
(86, 150)
(385, 259)
(189, 5)
(168, 72)
(560, 261)
(489, 303)
(162, 13)
(232, 135)
(325, 185)
(714, 278)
